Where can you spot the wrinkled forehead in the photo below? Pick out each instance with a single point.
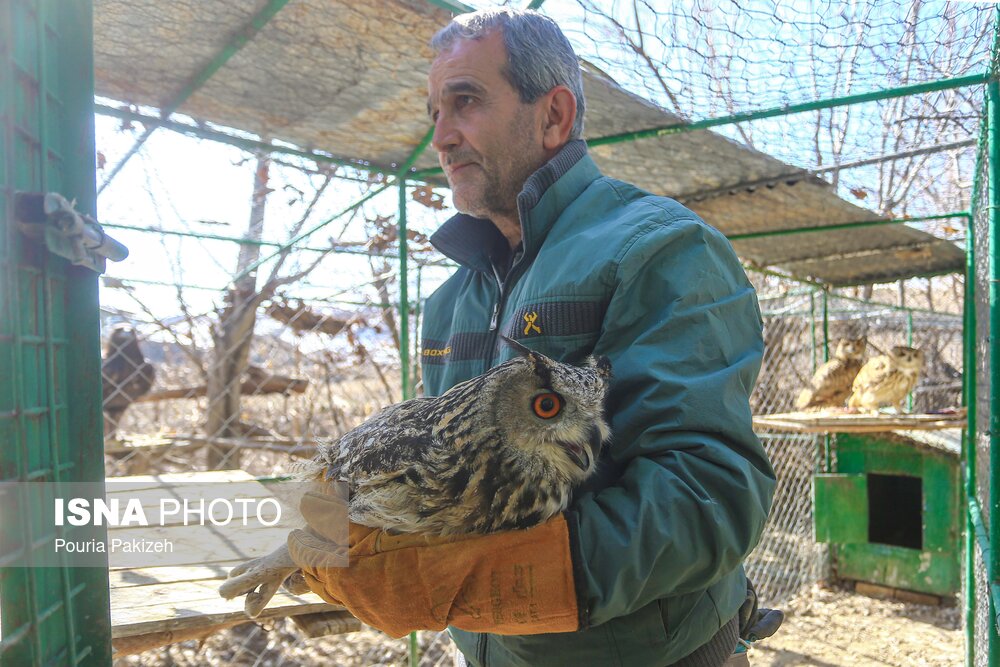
(480, 60)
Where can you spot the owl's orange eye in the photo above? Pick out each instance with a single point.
(547, 405)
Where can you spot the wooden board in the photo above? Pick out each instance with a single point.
(168, 602)
(856, 422)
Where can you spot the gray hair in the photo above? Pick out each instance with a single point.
(539, 57)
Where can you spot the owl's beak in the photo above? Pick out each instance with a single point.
(583, 455)
(578, 455)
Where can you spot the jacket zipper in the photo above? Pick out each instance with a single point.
(503, 287)
(481, 649)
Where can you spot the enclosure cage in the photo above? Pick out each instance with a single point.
(820, 140)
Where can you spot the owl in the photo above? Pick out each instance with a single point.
(887, 379)
(501, 451)
(831, 383)
(125, 374)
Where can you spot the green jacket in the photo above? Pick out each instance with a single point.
(682, 493)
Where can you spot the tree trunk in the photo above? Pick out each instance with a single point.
(232, 336)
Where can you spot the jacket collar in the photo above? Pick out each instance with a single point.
(478, 244)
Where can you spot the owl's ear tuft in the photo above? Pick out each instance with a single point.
(540, 362)
(518, 347)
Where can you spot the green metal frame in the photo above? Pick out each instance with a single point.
(405, 175)
(50, 411)
(240, 39)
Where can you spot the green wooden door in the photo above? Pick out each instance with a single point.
(840, 508)
(50, 378)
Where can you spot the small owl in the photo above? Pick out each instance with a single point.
(831, 383)
(502, 450)
(887, 379)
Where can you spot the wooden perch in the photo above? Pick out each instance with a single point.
(301, 318)
(256, 381)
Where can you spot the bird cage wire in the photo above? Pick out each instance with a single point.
(983, 617)
(252, 351)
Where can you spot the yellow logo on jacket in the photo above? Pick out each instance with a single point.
(531, 318)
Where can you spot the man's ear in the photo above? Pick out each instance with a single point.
(560, 113)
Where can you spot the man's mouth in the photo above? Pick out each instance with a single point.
(454, 169)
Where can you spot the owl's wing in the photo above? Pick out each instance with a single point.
(827, 373)
(387, 445)
(872, 374)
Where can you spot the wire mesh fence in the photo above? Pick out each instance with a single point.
(228, 346)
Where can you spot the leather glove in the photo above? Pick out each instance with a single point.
(517, 582)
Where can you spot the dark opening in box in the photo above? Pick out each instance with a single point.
(895, 511)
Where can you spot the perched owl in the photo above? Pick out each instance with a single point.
(497, 452)
(887, 379)
(831, 383)
(125, 373)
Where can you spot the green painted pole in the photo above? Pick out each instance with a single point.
(242, 37)
(236, 239)
(309, 232)
(901, 91)
(452, 6)
(827, 440)
(404, 306)
(249, 145)
(969, 441)
(813, 349)
(909, 343)
(404, 313)
(842, 226)
(874, 96)
(993, 190)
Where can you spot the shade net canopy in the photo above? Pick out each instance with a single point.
(348, 79)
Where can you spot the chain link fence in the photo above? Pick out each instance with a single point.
(223, 349)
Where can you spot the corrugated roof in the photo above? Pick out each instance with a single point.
(349, 78)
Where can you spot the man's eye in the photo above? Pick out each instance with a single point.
(464, 100)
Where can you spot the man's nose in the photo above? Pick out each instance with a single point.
(446, 135)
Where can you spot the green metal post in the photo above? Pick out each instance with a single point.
(812, 331)
(969, 440)
(993, 189)
(843, 226)
(827, 440)
(909, 343)
(404, 305)
(249, 145)
(309, 232)
(417, 312)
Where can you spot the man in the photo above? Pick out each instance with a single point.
(645, 567)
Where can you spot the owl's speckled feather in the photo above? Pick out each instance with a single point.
(887, 379)
(831, 383)
(477, 459)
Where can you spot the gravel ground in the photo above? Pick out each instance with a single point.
(823, 628)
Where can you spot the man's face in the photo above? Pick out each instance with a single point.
(488, 141)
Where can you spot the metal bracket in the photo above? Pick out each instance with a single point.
(52, 219)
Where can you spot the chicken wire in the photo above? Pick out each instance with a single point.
(324, 352)
(788, 558)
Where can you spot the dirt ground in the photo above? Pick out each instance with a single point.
(826, 627)
(822, 628)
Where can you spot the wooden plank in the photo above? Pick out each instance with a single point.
(848, 422)
(182, 479)
(157, 605)
(146, 609)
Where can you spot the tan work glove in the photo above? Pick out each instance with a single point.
(517, 582)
